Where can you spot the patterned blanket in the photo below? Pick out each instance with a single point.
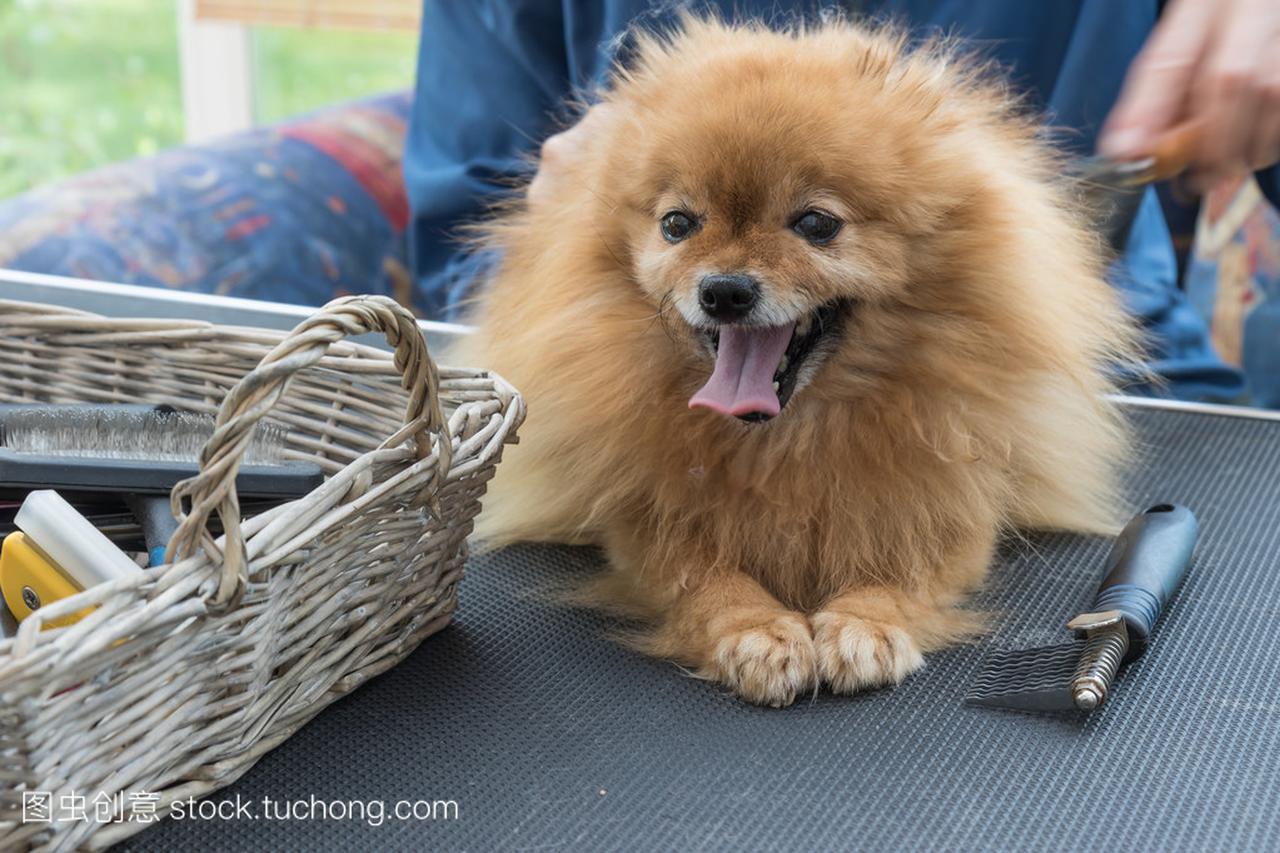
(299, 212)
(1234, 281)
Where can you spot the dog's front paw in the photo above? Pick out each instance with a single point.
(767, 662)
(858, 654)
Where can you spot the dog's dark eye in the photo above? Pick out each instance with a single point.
(677, 225)
(816, 227)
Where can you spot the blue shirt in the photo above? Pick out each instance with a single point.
(494, 74)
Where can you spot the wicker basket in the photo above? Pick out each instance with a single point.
(186, 674)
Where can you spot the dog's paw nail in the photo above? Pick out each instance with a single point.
(768, 663)
(857, 654)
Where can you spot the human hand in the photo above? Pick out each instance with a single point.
(1214, 64)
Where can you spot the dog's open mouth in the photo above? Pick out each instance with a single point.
(758, 368)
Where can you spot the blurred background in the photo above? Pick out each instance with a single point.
(85, 83)
(254, 148)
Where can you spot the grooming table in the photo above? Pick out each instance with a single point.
(547, 735)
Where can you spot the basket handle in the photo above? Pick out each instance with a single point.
(214, 488)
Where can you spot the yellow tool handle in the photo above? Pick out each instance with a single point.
(28, 580)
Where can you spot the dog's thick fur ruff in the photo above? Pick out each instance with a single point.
(965, 396)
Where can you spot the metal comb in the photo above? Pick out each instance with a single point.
(1145, 566)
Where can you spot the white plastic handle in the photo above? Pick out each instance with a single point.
(67, 538)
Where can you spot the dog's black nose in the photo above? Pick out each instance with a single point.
(728, 297)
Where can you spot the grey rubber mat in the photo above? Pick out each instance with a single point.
(546, 735)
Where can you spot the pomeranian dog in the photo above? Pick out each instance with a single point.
(809, 322)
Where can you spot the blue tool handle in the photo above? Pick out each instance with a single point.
(1146, 564)
(155, 517)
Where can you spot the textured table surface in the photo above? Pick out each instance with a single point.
(547, 735)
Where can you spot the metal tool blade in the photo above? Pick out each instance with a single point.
(1113, 192)
(1037, 679)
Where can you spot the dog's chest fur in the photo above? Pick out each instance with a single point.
(807, 513)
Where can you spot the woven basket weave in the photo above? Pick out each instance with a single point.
(188, 673)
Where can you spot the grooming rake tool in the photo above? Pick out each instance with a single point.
(1114, 188)
(1145, 567)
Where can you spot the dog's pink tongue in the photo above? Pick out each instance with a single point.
(742, 382)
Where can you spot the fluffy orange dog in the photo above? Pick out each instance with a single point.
(807, 325)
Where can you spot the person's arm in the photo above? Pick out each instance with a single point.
(490, 75)
(1215, 63)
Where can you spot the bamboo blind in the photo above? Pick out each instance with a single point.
(324, 14)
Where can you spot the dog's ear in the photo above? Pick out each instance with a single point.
(669, 34)
(647, 43)
(869, 51)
